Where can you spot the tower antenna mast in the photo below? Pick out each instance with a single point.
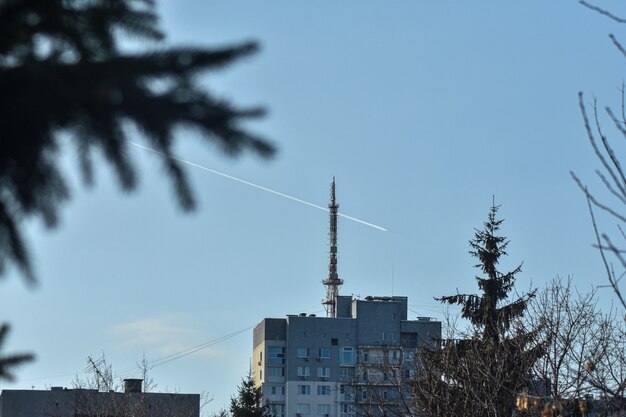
(333, 282)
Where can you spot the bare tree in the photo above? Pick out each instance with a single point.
(379, 387)
(607, 369)
(611, 201)
(583, 365)
(569, 324)
(148, 382)
(205, 399)
(611, 245)
(468, 376)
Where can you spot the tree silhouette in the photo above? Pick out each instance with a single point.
(249, 400)
(481, 373)
(64, 78)
(485, 311)
(10, 361)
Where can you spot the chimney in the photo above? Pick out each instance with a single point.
(132, 385)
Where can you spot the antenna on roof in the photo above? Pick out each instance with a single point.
(333, 282)
(392, 277)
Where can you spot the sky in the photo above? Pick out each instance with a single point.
(423, 111)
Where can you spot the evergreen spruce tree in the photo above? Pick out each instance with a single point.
(487, 311)
(249, 400)
(481, 373)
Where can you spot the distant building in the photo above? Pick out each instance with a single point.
(62, 402)
(346, 362)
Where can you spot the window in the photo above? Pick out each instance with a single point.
(347, 410)
(277, 389)
(346, 373)
(275, 371)
(323, 390)
(323, 409)
(304, 408)
(347, 393)
(365, 355)
(364, 375)
(260, 356)
(304, 371)
(348, 356)
(261, 375)
(409, 355)
(389, 337)
(303, 353)
(394, 316)
(385, 395)
(324, 353)
(323, 372)
(276, 355)
(409, 374)
(278, 410)
(334, 342)
(364, 395)
(304, 390)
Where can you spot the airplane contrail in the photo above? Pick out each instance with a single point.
(260, 187)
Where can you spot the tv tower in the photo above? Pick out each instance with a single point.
(333, 282)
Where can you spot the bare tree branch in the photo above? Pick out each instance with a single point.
(602, 11)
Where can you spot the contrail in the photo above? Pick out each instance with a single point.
(260, 187)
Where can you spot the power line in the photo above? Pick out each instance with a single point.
(157, 362)
(181, 354)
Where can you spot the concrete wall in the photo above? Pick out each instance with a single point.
(315, 333)
(313, 400)
(378, 322)
(344, 306)
(427, 331)
(90, 403)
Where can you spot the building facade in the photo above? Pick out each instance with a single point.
(339, 366)
(63, 402)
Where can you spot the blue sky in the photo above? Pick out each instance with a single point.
(421, 110)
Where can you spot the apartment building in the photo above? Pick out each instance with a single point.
(345, 363)
(336, 366)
